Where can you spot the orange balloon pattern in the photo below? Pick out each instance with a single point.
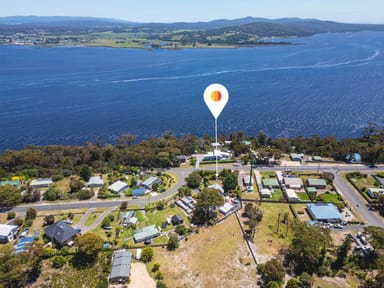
(216, 96)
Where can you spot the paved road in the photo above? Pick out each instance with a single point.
(350, 194)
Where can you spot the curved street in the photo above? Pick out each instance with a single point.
(350, 195)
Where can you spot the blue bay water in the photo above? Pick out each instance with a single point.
(328, 84)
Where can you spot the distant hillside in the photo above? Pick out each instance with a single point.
(89, 31)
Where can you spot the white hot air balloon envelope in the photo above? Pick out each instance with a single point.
(216, 97)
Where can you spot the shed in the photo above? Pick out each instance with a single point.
(265, 193)
(118, 186)
(138, 192)
(271, 182)
(226, 209)
(317, 183)
(291, 195)
(41, 183)
(324, 212)
(7, 233)
(121, 266)
(95, 181)
(177, 219)
(146, 233)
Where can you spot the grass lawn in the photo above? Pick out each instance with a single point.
(270, 235)
(303, 196)
(3, 217)
(63, 185)
(198, 262)
(336, 282)
(328, 197)
(268, 174)
(91, 219)
(364, 183)
(251, 195)
(277, 194)
(158, 217)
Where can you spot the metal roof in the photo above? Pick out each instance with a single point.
(121, 264)
(118, 186)
(148, 232)
(324, 211)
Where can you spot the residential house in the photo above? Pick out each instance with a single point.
(373, 192)
(265, 193)
(293, 182)
(291, 195)
(8, 233)
(95, 181)
(270, 183)
(177, 219)
(61, 233)
(138, 192)
(118, 186)
(150, 181)
(317, 183)
(41, 183)
(15, 183)
(146, 233)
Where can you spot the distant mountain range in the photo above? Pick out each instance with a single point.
(303, 25)
(62, 30)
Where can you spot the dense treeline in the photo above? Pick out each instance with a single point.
(162, 152)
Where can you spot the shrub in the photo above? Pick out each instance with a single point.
(59, 261)
(18, 222)
(11, 215)
(155, 267)
(147, 254)
(180, 229)
(161, 284)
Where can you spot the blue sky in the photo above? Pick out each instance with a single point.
(367, 11)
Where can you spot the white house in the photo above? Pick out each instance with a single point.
(293, 182)
(95, 181)
(41, 183)
(7, 233)
(265, 193)
(210, 156)
(118, 186)
(291, 195)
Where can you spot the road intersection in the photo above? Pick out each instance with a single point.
(355, 200)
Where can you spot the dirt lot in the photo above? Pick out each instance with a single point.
(140, 278)
(215, 257)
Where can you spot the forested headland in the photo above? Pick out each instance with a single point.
(161, 152)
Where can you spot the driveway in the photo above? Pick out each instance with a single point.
(140, 277)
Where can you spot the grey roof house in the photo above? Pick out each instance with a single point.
(121, 266)
(150, 181)
(146, 233)
(60, 232)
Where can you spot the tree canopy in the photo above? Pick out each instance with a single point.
(205, 209)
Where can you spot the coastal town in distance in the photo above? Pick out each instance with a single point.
(204, 144)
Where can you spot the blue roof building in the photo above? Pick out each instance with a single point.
(138, 192)
(324, 212)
